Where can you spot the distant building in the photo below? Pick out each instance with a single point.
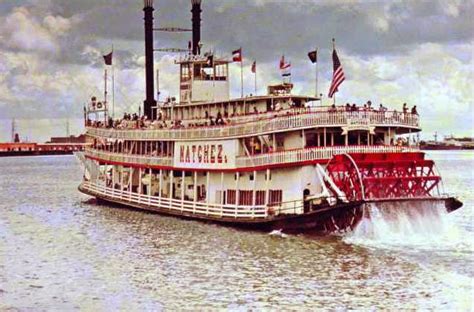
(70, 139)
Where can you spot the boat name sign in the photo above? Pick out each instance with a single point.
(205, 155)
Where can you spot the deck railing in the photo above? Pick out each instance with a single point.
(178, 205)
(265, 124)
(284, 157)
(132, 159)
(196, 207)
(314, 153)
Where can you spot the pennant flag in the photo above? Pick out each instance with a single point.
(337, 76)
(108, 58)
(285, 67)
(283, 64)
(237, 55)
(254, 67)
(313, 56)
(210, 60)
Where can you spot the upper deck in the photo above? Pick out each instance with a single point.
(259, 124)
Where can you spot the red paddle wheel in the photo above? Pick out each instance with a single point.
(397, 175)
(379, 177)
(382, 176)
(344, 172)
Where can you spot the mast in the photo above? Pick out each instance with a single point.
(196, 20)
(13, 130)
(149, 59)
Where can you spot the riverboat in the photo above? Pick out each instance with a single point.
(277, 161)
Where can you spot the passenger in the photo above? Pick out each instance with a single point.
(405, 108)
(219, 118)
(257, 147)
(354, 107)
(414, 111)
(255, 111)
(348, 107)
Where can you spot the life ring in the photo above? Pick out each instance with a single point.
(99, 105)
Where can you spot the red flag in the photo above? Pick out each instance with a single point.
(237, 55)
(283, 64)
(337, 76)
(108, 58)
(254, 67)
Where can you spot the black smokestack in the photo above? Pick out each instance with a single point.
(149, 80)
(196, 10)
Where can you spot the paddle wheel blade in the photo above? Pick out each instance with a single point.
(382, 176)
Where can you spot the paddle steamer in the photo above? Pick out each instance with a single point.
(273, 161)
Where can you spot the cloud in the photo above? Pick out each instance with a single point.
(22, 31)
(392, 51)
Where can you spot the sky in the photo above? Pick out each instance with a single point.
(418, 52)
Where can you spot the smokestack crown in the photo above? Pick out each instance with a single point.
(148, 4)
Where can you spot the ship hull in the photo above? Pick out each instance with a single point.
(339, 218)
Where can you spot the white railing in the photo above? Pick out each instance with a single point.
(178, 205)
(132, 159)
(283, 157)
(315, 153)
(265, 124)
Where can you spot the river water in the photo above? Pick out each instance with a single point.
(59, 250)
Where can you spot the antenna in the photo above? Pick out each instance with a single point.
(158, 85)
(67, 127)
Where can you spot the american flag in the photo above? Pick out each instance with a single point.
(337, 75)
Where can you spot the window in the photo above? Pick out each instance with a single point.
(276, 197)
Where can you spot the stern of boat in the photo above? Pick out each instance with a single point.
(395, 183)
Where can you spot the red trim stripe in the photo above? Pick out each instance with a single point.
(242, 169)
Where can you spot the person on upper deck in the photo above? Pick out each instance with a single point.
(354, 107)
(414, 111)
(348, 107)
(405, 108)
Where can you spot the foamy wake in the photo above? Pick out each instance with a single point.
(421, 225)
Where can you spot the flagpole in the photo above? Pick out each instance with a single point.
(316, 87)
(255, 62)
(241, 74)
(113, 86)
(105, 95)
(334, 48)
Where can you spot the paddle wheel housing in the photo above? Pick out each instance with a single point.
(382, 176)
